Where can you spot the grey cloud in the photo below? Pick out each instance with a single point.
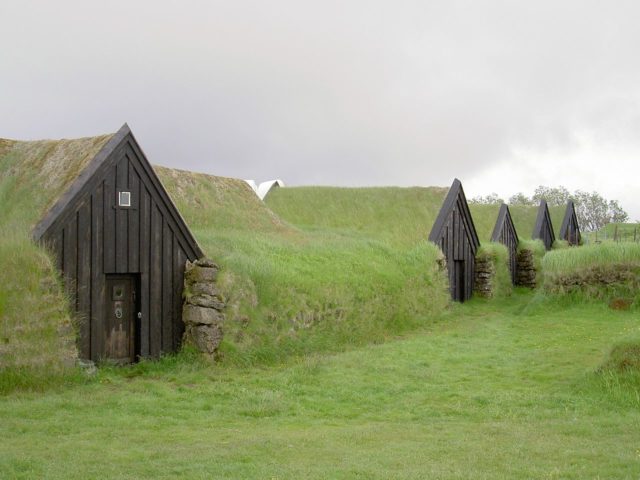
(324, 92)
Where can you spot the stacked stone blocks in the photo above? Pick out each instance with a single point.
(203, 309)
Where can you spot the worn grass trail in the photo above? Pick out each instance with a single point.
(487, 392)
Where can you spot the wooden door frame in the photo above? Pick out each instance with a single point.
(134, 335)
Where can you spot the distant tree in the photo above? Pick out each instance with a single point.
(555, 196)
(520, 199)
(592, 209)
(492, 199)
(617, 213)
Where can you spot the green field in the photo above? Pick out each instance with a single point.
(619, 232)
(343, 356)
(485, 392)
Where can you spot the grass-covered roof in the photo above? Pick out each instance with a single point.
(401, 216)
(34, 174)
(524, 219)
(208, 201)
(484, 219)
(36, 323)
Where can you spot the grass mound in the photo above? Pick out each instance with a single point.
(397, 216)
(575, 260)
(605, 274)
(624, 356)
(315, 284)
(36, 333)
(498, 256)
(604, 271)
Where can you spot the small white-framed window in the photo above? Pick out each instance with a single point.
(124, 199)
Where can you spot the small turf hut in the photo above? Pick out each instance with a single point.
(505, 232)
(455, 234)
(570, 230)
(543, 228)
(121, 246)
(494, 223)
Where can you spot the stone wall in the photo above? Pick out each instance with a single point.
(526, 274)
(202, 312)
(484, 276)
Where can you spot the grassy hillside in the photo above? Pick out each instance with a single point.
(36, 332)
(524, 219)
(484, 218)
(557, 215)
(293, 290)
(401, 217)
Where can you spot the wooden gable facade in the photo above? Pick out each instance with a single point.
(543, 228)
(570, 230)
(121, 246)
(455, 234)
(505, 232)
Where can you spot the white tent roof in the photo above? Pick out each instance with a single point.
(265, 187)
(253, 185)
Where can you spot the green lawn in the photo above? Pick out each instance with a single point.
(485, 392)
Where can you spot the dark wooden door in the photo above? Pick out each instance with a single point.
(120, 319)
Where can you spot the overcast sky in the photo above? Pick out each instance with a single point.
(504, 95)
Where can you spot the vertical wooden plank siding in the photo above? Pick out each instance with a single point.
(449, 230)
(167, 288)
(133, 248)
(450, 253)
(97, 277)
(155, 281)
(122, 217)
(179, 260)
(456, 235)
(70, 267)
(470, 263)
(109, 213)
(84, 278)
(145, 255)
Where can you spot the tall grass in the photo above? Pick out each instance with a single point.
(320, 280)
(498, 255)
(607, 272)
(573, 260)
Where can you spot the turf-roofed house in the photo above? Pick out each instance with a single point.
(570, 230)
(455, 234)
(505, 232)
(543, 228)
(121, 246)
